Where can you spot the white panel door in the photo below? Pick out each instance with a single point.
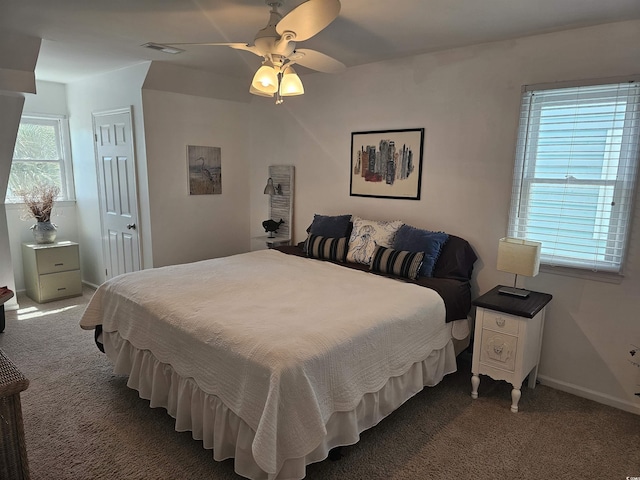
(113, 135)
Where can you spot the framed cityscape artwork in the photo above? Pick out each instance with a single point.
(387, 163)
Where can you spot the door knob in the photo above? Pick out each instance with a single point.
(131, 226)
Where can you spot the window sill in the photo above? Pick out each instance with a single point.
(606, 277)
(58, 203)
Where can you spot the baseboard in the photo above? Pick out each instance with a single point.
(590, 394)
(90, 285)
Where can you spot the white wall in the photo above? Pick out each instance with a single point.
(11, 108)
(51, 99)
(185, 227)
(18, 58)
(467, 99)
(174, 227)
(121, 88)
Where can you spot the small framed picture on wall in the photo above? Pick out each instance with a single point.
(205, 170)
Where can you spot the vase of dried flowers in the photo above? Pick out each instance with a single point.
(38, 202)
(44, 232)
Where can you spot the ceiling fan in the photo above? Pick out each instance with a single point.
(276, 44)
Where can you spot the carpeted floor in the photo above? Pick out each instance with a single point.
(82, 422)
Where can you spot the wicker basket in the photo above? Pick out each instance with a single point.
(13, 452)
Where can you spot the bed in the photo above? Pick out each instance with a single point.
(274, 358)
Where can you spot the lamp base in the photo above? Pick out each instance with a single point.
(514, 292)
(271, 235)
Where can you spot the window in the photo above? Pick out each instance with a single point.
(41, 155)
(575, 173)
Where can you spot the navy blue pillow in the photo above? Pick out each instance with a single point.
(337, 226)
(456, 260)
(413, 239)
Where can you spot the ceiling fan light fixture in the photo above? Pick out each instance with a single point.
(255, 91)
(290, 83)
(277, 45)
(266, 79)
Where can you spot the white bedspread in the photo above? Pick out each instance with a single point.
(283, 341)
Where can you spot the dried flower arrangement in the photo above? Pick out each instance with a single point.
(39, 201)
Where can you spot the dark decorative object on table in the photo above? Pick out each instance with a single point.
(271, 227)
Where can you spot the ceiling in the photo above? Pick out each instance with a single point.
(87, 37)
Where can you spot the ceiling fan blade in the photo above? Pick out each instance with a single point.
(317, 61)
(236, 46)
(309, 18)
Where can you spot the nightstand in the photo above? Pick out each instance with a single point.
(51, 271)
(508, 338)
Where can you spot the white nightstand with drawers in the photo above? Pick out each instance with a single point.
(52, 270)
(508, 338)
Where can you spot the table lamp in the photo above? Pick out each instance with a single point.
(521, 257)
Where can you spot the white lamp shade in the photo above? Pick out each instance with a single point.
(269, 189)
(519, 256)
(265, 80)
(258, 92)
(290, 84)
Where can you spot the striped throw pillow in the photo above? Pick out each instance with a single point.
(398, 262)
(326, 248)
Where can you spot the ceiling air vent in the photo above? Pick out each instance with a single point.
(162, 48)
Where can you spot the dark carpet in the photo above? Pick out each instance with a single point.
(82, 422)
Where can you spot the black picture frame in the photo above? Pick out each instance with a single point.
(204, 170)
(387, 163)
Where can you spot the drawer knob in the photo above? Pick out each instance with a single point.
(498, 349)
(500, 322)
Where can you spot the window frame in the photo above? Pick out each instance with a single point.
(61, 126)
(524, 179)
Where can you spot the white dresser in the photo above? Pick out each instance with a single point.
(507, 339)
(51, 271)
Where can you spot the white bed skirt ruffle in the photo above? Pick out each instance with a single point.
(229, 436)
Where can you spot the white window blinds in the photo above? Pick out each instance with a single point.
(575, 173)
(41, 156)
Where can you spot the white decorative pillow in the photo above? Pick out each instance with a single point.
(366, 235)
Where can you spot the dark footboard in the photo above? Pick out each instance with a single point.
(97, 333)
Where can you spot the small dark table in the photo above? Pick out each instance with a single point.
(5, 294)
(508, 339)
(520, 307)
